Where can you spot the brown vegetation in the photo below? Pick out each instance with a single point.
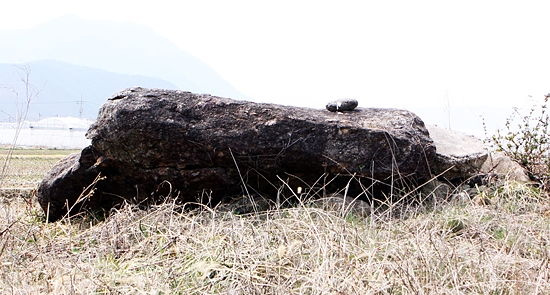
(490, 244)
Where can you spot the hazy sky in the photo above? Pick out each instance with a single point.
(384, 53)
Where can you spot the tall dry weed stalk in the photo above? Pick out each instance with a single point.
(22, 106)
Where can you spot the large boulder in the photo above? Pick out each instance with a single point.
(149, 143)
(459, 156)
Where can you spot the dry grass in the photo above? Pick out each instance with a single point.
(455, 248)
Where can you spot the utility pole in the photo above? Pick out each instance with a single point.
(81, 102)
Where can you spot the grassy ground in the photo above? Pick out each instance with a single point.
(491, 244)
(27, 167)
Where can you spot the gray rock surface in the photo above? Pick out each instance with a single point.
(458, 155)
(247, 204)
(151, 143)
(502, 165)
(339, 203)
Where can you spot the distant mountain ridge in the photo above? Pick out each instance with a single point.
(65, 89)
(118, 47)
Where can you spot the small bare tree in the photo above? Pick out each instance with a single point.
(22, 106)
(528, 144)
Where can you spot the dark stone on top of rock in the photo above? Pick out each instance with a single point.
(151, 143)
(342, 105)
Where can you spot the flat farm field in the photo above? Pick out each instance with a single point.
(27, 167)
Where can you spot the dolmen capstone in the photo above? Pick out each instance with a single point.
(149, 143)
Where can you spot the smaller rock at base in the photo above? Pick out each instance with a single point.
(340, 203)
(503, 165)
(342, 105)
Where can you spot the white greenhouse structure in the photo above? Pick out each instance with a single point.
(52, 132)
